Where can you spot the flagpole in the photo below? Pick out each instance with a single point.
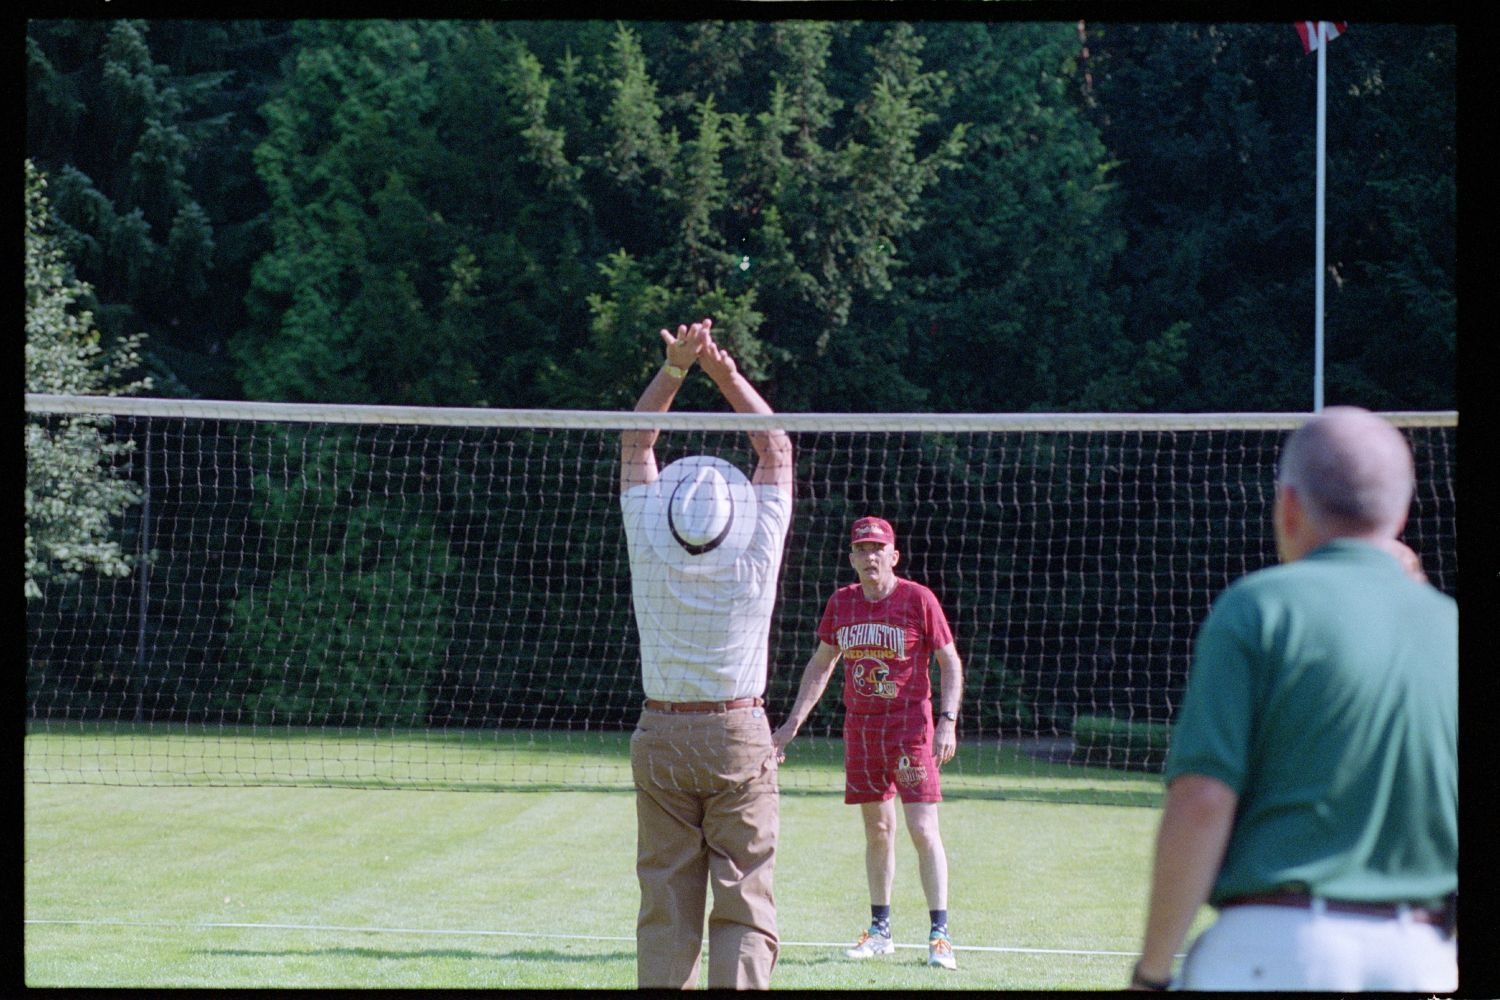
(1318, 254)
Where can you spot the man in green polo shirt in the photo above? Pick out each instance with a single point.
(1312, 782)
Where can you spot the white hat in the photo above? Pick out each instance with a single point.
(702, 513)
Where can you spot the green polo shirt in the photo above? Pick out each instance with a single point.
(1325, 693)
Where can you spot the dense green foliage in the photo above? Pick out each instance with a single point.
(880, 216)
(145, 130)
(1214, 129)
(952, 216)
(73, 491)
(326, 622)
(1122, 742)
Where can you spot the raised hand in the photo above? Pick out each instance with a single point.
(687, 346)
(716, 361)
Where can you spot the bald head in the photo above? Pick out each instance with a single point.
(1352, 472)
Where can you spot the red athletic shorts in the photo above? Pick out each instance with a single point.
(890, 754)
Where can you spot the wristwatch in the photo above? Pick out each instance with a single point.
(1140, 982)
(950, 716)
(675, 371)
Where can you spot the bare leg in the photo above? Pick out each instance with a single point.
(932, 859)
(880, 848)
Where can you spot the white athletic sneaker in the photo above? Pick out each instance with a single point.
(940, 952)
(870, 944)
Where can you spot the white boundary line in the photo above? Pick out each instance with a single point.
(532, 935)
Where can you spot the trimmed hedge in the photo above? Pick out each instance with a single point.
(1108, 742)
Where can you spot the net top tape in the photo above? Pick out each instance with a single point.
(456, 416)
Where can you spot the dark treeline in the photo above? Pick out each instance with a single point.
(880, 216)
(960, 216)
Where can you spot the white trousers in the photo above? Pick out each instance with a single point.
(1286, 948)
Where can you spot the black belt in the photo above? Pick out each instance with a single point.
(702, 707)
(1301, 900)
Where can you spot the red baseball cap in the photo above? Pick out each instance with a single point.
(872, 529)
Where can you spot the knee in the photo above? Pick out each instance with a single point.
(880, 832)
(927, 836)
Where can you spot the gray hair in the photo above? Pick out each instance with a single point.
(1352, 469)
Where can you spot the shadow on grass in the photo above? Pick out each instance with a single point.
(806, 960)
(393, 954)
(500, 761)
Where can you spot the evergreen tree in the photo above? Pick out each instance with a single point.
(1214, 128)
(363, 295)
(756, 194)
(1009, 301)
(229, 69)
(1392, 253)
(115, 130)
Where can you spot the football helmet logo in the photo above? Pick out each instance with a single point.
(872, 680)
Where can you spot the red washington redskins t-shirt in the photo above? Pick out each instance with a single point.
(887, 645)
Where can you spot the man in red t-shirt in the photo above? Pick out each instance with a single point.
(887, 630)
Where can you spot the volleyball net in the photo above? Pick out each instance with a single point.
(440, 598)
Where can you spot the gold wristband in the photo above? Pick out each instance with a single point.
(674, 371)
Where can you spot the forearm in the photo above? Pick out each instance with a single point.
(738, 392)
(814, 682)
(809, 693)
(769, 445)
(637, 460)
(950, 682)
(1190, 844)
(946, 704)
(656, 398)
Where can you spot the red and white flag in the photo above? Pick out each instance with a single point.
(1308, 31)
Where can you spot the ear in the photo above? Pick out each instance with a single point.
(895, 557)
(1288, 520)
(1284, 496)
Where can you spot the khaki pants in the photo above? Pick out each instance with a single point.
(707, 814)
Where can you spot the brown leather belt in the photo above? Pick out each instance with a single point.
(702, 707)
(1421, 914)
